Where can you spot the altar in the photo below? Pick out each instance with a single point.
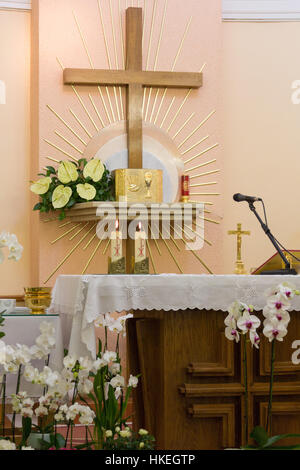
(191, 391)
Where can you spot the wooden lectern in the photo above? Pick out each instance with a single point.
(275, 262)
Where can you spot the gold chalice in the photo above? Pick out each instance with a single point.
(148, 181)
(37, 299)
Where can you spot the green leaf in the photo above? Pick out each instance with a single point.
(2, 334)
(99, 347)
(62, 215)
(272, 440)
(38, 206)
(51, 170)
(60, 441)
(26, 429)
(260, 435)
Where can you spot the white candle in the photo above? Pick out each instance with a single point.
(140, 244)
(116, 244)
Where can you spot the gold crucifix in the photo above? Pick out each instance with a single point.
(134, 78)
(239, 265)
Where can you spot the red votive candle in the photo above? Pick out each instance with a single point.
(185, 188)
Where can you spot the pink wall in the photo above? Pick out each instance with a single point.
(56, 35)
(260, 61)
(15, 202)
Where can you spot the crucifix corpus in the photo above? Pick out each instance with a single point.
(239, 265)
(134, 78)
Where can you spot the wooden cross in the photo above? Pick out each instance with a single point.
(134, 78)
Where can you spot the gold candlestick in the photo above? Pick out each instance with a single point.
(239, 265)
(140, 261)
(116, 263)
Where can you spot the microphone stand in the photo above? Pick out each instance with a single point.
(269, 234)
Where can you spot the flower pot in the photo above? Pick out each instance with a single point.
(35, 440)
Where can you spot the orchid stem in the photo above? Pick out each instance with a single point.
(246, 388)
(269, 417)
(17, 391)
(3, 404)
(105, 347)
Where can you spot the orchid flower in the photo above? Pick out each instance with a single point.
(248, 322)
(274, 329)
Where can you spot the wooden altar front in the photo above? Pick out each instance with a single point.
(191, 393)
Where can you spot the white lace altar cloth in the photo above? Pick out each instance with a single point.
(85, 297)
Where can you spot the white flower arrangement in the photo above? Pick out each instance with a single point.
(240, 321)
(10, 241)
(80, 378)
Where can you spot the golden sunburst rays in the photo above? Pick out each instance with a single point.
(86, 242)
(104, 106)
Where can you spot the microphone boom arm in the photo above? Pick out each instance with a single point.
(272, 239)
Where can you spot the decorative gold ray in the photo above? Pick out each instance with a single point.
(68, 255)
(197, 257)
(181, 44)
(201, 165)
(148, 56)
(197, 185)
(53, 159)
(183, 125)
(151, 256)
(85, 108)
(167, 113)
(80, 99)
(207, 220)
(195, 145)
(174, 65)
(197, 128)
(201, 153)
(96, 110)
(155, 241)
(151, 33)
(205, 194)
(116, 57)
(202, 202)
(205, 174)
(90, 241)
(160, 104)
(144, 23)
(196, 233)
(106, 247)
(179, 109)
(92, 256)
(68, 142)
(170, 251)
(79, 231)
(123, 58)
(175, 243)
(61, 150)
(156, 59)
(50, 220)
(80, 123)
(92, 66)
(63, 225)
(67, 125)
(183, 103)
(122, 35)
(66, 233)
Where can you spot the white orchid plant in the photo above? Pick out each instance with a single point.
(10, 241)
(15, 250)
(241, 323)
(92, 392)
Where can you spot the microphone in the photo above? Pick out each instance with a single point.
(241, 197)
